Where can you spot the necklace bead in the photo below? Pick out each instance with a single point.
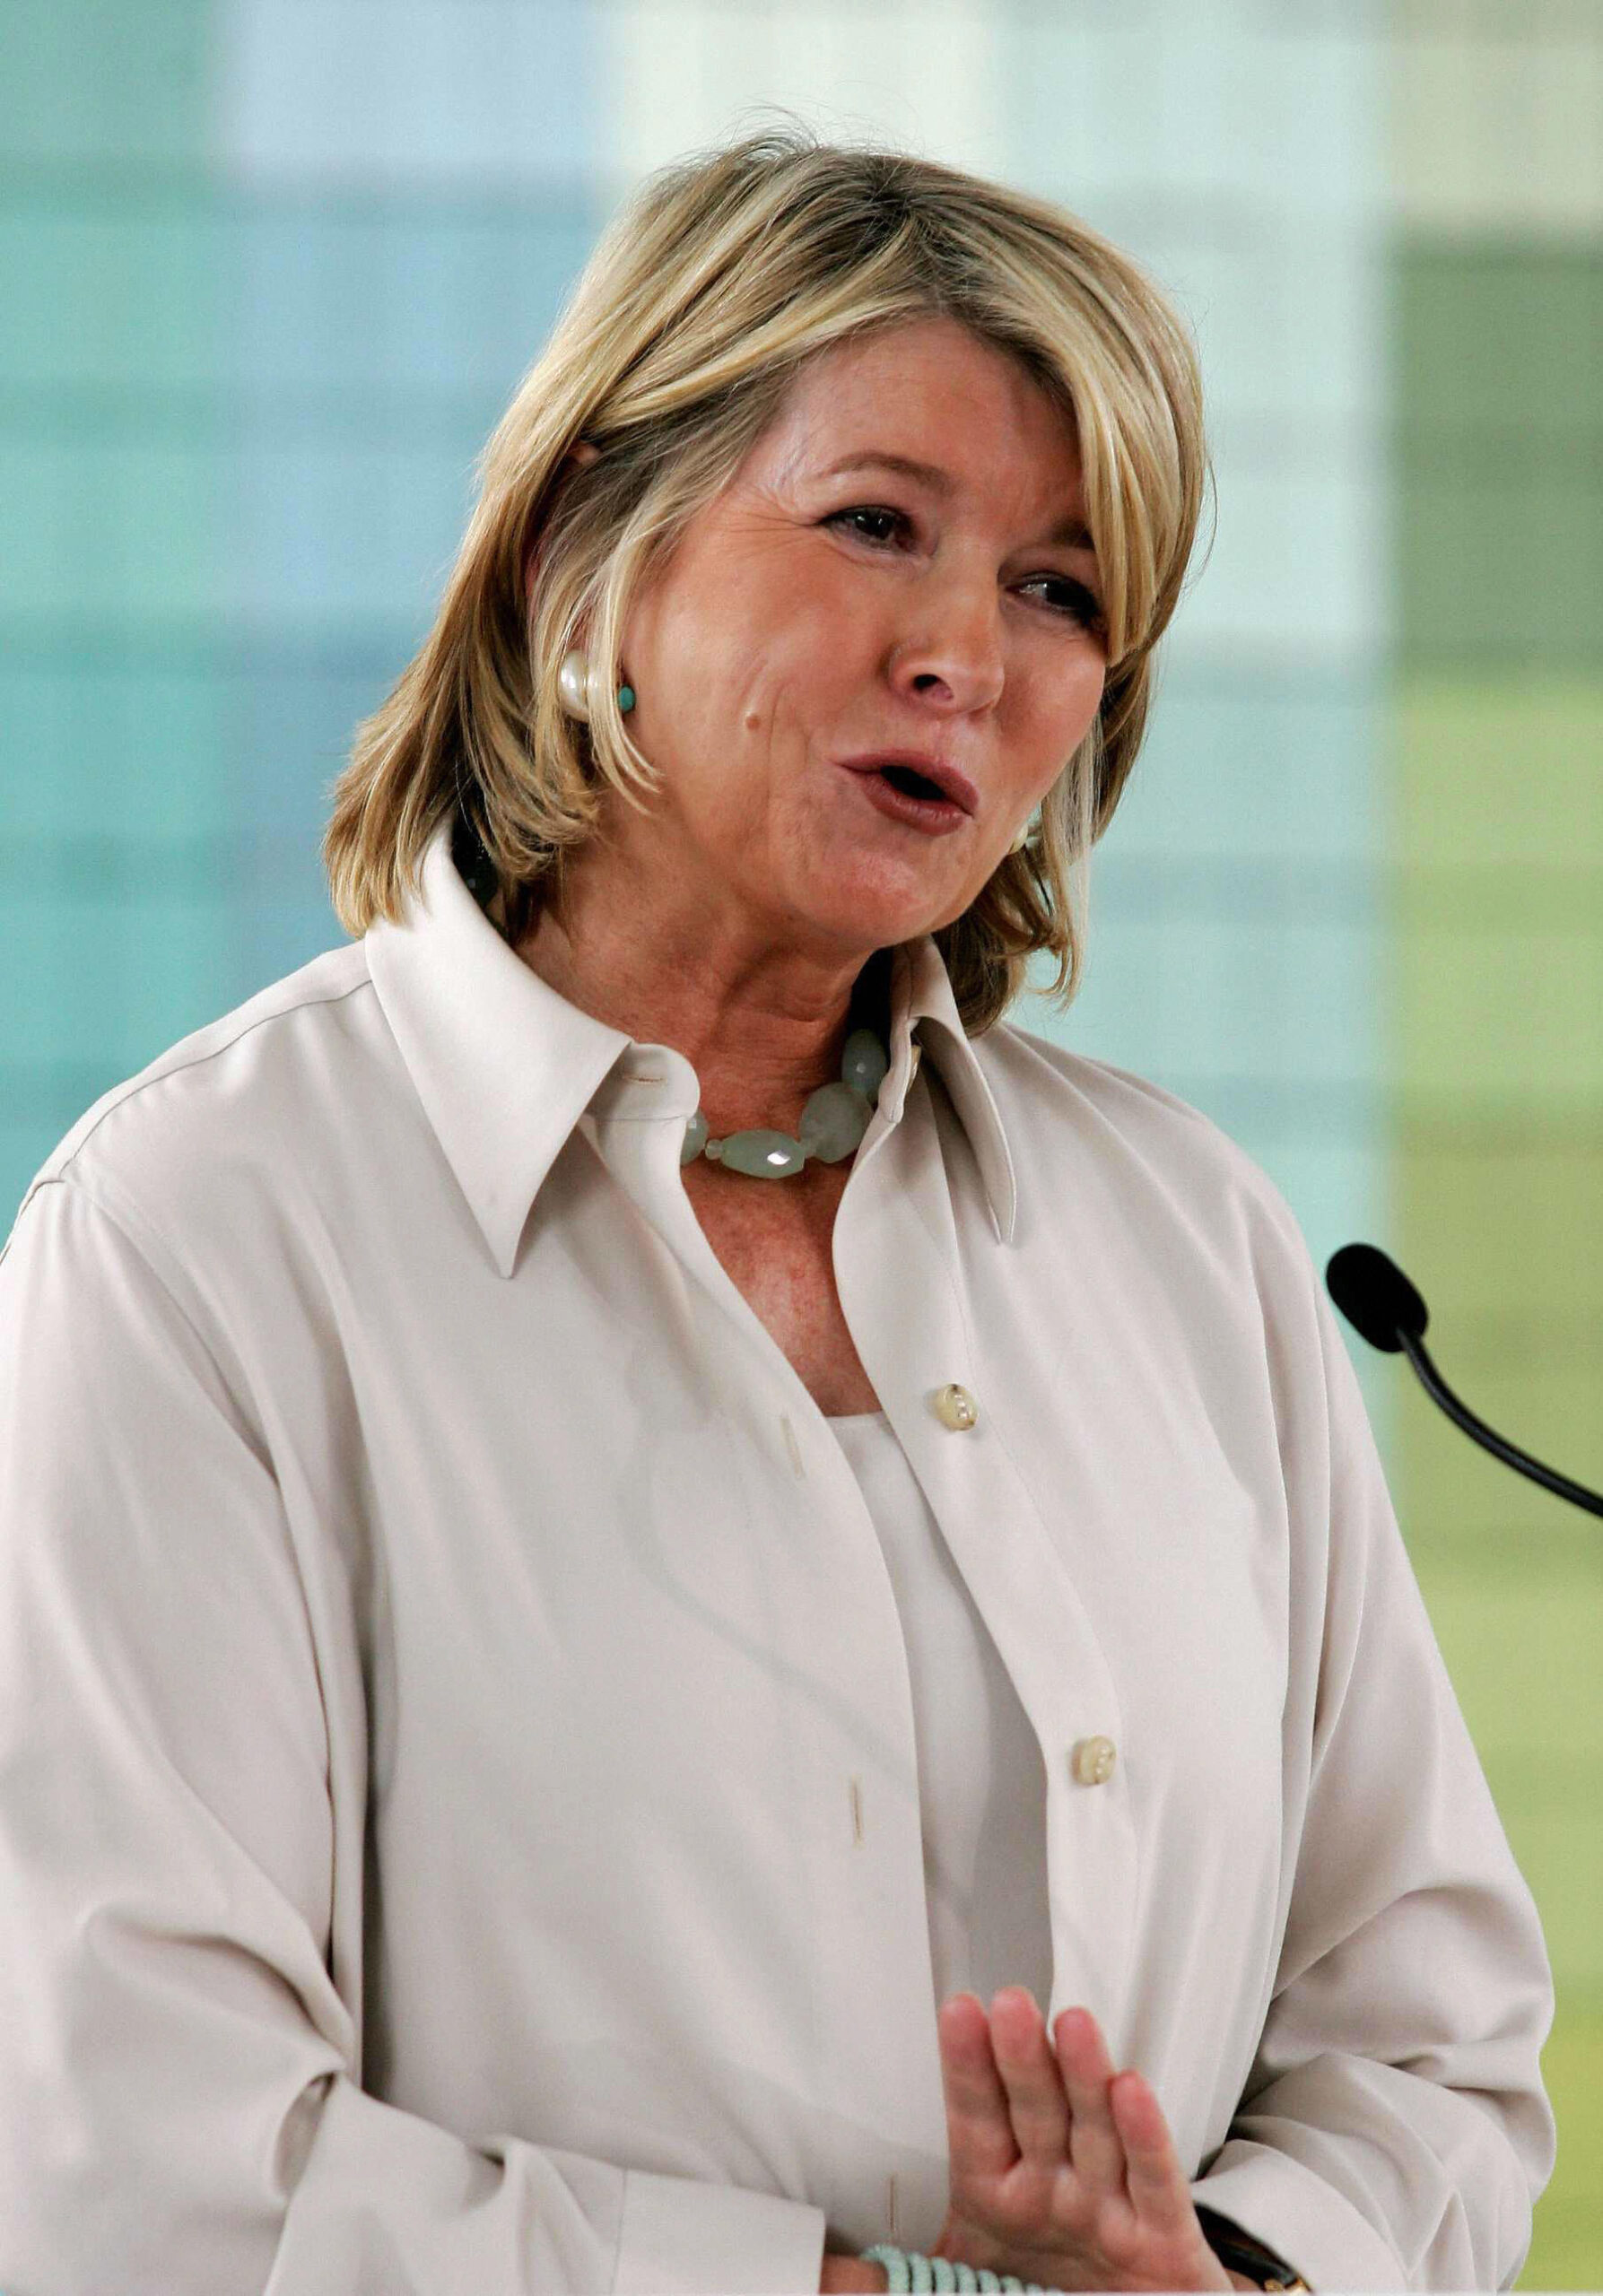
(832, 1128)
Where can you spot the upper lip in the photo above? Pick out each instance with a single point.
(946, 776)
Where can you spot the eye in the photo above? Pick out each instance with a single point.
(1082, 602)
(865, 510)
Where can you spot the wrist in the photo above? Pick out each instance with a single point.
(852, 2275)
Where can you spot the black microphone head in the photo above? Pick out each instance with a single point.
(1375, 1296)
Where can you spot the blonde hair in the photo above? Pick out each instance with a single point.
(716, 280)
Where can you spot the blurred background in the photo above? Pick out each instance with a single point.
(270, 271)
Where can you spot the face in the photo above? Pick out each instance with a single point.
(811, 616)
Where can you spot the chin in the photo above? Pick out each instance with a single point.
(864, 922)
(869, 900)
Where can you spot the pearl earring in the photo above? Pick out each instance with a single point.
(1021, 840)
(574, 678)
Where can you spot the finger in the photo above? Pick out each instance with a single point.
(979, 2124)
(1036, 2100)
(1096, 2146)
(1159, 2193)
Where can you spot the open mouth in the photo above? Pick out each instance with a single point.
(908, 796)
(912, 784)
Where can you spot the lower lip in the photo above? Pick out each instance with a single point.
(936, 816)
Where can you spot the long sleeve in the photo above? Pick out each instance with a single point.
(180, 2113)
(1394, 2131)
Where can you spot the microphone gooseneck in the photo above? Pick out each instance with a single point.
(1384, 1308)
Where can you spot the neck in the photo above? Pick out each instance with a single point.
(761, 1038)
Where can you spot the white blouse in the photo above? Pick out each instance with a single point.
(981, 1783)
(495, 1785)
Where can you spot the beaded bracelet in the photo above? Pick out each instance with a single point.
(912, 2274)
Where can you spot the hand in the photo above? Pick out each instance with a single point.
(1061, 2170)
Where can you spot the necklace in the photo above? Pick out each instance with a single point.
(832, 1124)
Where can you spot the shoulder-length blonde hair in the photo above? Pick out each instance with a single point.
(717, 280)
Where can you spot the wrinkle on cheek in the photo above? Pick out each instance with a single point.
(760, 706)
(755, 706)
(752, 715)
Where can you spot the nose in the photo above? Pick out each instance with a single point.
(956, 637)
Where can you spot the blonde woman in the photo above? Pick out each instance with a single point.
(679, 1613)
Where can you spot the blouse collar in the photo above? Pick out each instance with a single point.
(505, 1066)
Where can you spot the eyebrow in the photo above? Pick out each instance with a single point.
(1072, 534)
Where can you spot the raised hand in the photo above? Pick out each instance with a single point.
(1061, 2170)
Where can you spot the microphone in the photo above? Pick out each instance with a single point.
(1383, 1306)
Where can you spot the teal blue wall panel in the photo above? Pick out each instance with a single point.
(261, 315)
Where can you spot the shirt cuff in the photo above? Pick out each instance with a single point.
(1318, 2232)
(680, 2237)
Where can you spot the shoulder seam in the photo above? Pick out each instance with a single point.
(119, 1221)
(142, 1084)
(127, 1219)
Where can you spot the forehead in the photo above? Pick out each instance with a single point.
(932, 395)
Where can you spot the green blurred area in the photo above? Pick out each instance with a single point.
(1496, 1003)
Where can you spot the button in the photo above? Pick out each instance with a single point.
(954, 1406)
(1092, 1761)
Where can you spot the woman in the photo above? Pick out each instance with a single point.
(608, 1582)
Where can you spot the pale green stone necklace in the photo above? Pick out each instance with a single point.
(832, 1124)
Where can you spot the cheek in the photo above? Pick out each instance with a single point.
(762, 641)
(827, 621)
(793, 688)
(1077, 700)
